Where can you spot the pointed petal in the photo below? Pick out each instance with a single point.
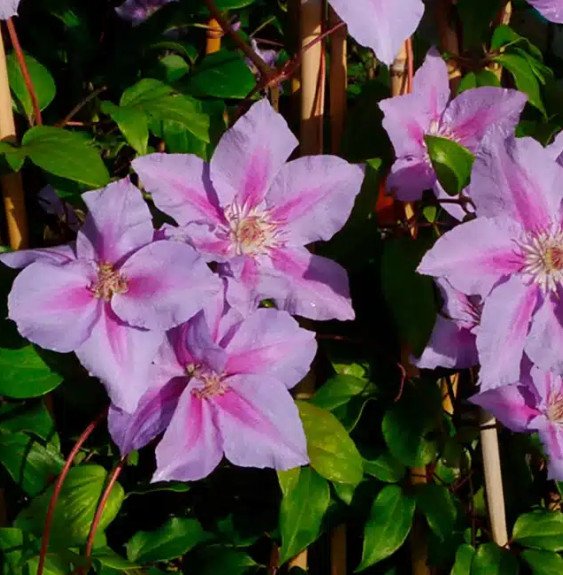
(191, 447)
(512, 405)
(475, 255)
(517, 178)
(118, 223)
(312, 197)
(180, 186)
(551, 10)
(409, 177)
(120, 356)
(503, 331)
(132, 431)
(250, 154)
(271, 342)
(555, 149)
(53, 306)
(474, 112)
(382, 25)
(551, 436)
(200, 344)
(22, 258)
(546, 384)
(260, 424)
(158, 278)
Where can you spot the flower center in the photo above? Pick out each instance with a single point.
(251, 231)
(213, 383)
(555, 409)
(109, 282)
(543, 258)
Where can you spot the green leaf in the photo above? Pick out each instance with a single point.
(409, 296)
(222, 75)
(490, 559)
(24, 374)
(504, 37)
(477, 80)
(385, 468)
(42, 81)
(408, 423)
(332, 452)
(388, 525)
(173, 539)
(463, 560)
(306, 496)
(30, 464)
(543, 562)
(451, 162)
(132, 123)
(65, 154)
(217, 559)
(75, 509)
(33, 418)
(107, 557)
(540, 529)
(12, 550)
(437, 504)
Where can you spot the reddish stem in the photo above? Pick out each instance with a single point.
(58, 487)
(24, 70)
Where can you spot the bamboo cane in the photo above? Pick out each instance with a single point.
(213, 38)
(338, 82)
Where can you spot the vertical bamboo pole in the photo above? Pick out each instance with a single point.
(338, 82)
(214, 35)
(12, 187)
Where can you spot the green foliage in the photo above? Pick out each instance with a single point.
(491, 559)
(540, 529)
(543, 562)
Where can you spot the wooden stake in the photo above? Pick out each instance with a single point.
(338, 550)
(338, 82)
(493, 478)
(214, 35)
(12, 187)
(503, 18)
(301, 561)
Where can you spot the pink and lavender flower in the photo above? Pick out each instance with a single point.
(551, 10)
(137, 11)
(535, 403)
(428, 111)
(220, 387)
(252, 211)
(110, 296)
(512, 256)
(8, 8)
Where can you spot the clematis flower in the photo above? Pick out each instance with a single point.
(452, 343)
(220, 386)
(512, 256)
(552, 10)
(382, 25)
(112, 295)
(428, 111)
(533, 404)
(137, 11)
(253, 212)
(8, 8)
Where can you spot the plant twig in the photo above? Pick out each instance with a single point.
(67, 119)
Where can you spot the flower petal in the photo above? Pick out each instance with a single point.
(191, 447)
(382, 25)
(312, 197)
(260, 424)
(474, 112)
(271, 342)
(120, 356)
(53, 306)
(158, 278)
(551, 435)
(250, 154)
(552, 10)
(22, 258)
(555, 149)
(134, 430)
(475, 255)
(503, 331)
(118, 223)
(409, 177)
(517, 178)
(202, 347)
(8, 8)
(180, 186)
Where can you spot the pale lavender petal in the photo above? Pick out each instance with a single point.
(462, 309)
(55, 255)
(431, 84)
(546, 384)
(180, 187)
(132, 431)
(455, 210)
(191, 447)
(450, 346)
(211, 242)
(503, 331)
(8, 8)
(307, 285)
(551, 435)
(167, 284)
(517, 178)
(552, 10)
(201, 345)
(137, 11)
(382, 25)
(555, 149)
(312, 197)
(409, 177)
(259, 424)
(53, 306)
(171, 358)
(250, 154)
(120, 356)
(545, 340)
(512, 405)
(118, 222)
(475, 255)
(271, 342)
(474, 112)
